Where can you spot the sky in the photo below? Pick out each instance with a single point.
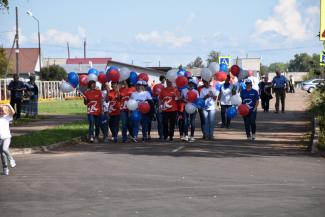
(171, 32)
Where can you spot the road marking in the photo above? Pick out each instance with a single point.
(178, 149)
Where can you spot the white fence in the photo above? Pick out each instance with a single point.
(46, 90)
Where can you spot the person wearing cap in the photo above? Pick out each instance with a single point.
(209, 94)
(251, 99)
(168, 104)
(226, 92)
(141, 95)
(279, 85)
(114, 110)
(93, 100)
(189, 118)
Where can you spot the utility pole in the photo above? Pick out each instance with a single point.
(68, 50)
(85, 49)
(17, 43)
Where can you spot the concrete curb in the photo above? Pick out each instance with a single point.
(17, 151)
(315, 137)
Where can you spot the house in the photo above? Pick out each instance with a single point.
(28, 61)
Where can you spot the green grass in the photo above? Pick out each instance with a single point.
(24, 120)
(63, 107)
(50, 136)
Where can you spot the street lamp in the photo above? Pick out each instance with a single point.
(39, 42)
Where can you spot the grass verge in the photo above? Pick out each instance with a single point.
(50, 136)
(62, 107)
(24, 120)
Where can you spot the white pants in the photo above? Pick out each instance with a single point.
(4, 152)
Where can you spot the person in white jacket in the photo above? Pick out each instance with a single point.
(6, 115)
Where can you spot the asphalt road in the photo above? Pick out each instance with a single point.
(275, 176)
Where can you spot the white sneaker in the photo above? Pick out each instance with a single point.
(6, 171)
(185, 138)
(91, 139)
(253, 136)
(12, 163)
(191, 139)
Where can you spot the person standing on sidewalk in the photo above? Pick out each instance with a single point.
(6, 114)
(16, 88)
(251, 99)
(291, 84)
(224, 97)
(93, 100)
(265, 93)
(279, 85)
(32, 89)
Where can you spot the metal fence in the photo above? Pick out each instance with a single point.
(46, 90)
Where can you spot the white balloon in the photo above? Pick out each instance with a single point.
(206, 74)
(132, 104)
(235, 100)
(190, 108)
(92, 77)
(172, 75)
(124, 74)
(214, 67)
(65, 87)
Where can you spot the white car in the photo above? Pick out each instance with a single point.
(311, 85)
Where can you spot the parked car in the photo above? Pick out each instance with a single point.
(312, 84)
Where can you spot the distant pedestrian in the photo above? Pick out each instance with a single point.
(6, 115)
(93, 100)
(224, 97)
(251, 99)
(291, 84)
(279, 85)
(265, 93)
(32, 90)
(16, 88)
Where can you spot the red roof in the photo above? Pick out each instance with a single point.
(87, 60)
(27, 59)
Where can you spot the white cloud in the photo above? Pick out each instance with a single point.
(286, 23)
(164, 38)
(55, 36)
(11, 36)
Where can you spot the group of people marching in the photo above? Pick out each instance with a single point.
(107, 108)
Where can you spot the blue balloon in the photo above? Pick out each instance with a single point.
(181, 72)
(223, 68)
(199, 103)
(93, 71)
(231, 112)
(133, 78)
(218, 86)
(73, 79)
(135, 116)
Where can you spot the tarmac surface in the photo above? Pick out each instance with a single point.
(274, 176)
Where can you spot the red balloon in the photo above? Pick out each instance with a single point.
(220, 76)
(235, 70)
(83, 80)
(243, 109)
(181, 81)
(156, 90)
(102, 78)
(191, 96)
(114, 75)
(143, 76)
(144, 107)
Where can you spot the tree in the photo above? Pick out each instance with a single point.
(198, 62)
(213, 57)
(4, 4)
(53, 73)
(5, 65)
(264, 69)
(301, 63)
(278, 66)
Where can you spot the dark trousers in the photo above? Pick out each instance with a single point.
(189, 121)
(291, 89)
(265, 102)
(202, 120)
(17, 102)
(169, 120)
(224, 117)
(160, 124)
(250, 123)
(93, 120)
(144, 125)
(181, 123)
(114, 125)
(103, 124)
(280, 94)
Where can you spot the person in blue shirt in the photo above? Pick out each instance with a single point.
(279, 86)
(251, 99)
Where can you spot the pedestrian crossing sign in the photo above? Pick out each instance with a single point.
(322, 58)
(322, 20)
(225, 60)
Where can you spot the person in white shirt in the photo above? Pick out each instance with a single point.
(189, 118)
(254, 80)
(209, 94)
(6, 115)
(224, 97)
(141, 95)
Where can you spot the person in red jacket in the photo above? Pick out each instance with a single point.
(114, 110)
(93, 100)
(168, 104)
